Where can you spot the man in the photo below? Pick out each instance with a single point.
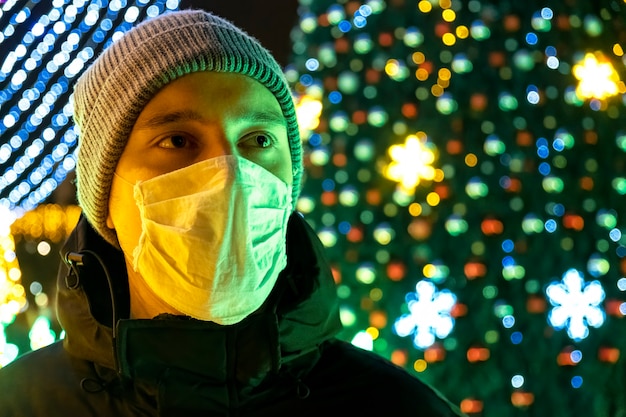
(190, 286)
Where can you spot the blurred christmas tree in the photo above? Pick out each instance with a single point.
(465, 168)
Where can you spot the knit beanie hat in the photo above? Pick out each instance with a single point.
(111, 93)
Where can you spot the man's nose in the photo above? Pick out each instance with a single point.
(215, 144)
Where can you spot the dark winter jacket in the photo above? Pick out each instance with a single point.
(282, 361)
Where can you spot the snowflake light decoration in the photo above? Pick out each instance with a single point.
(576, 304)
(412, 162)
(429, 315)
(598, 78)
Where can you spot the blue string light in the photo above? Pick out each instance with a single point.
(50, 51)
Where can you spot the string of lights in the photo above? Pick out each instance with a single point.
(48, 49)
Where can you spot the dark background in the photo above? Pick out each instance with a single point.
(268, 21)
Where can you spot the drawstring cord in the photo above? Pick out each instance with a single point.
(302, 389)
(93, 385)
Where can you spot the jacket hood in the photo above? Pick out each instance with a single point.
(300, 313)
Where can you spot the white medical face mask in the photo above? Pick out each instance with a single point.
(213, 237)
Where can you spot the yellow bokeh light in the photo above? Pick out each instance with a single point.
(392, 68)
(443, 83)
(462, 32)
(598, 79)
(448, 15)
(433, 199)
(429, 270)
(420, 365)
(436, 90)
(421, 74)
(48, 221)
(617, 49)
(424, 6)
(444, 74)
(373, 332)
(445, 4)
(12, 294)
(418, 57)
(411, 162)
(415, 209)
(448, 39)
(471, 160)
(308, 111)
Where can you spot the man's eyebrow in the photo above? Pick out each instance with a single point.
(255, 117)
(161, 119)
(263, 117)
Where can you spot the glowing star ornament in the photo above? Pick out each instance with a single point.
(598, 79)
(429, 315)
(411, 162)
(576, 304)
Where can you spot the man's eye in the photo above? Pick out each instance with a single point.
(174, 142)
(262, 140)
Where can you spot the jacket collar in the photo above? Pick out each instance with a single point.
(300, 314)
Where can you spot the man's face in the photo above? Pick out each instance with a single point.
(196, 117)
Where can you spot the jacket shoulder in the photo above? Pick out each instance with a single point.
(367, 382)
(40, 383)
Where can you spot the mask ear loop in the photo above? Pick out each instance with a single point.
(115, 174)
